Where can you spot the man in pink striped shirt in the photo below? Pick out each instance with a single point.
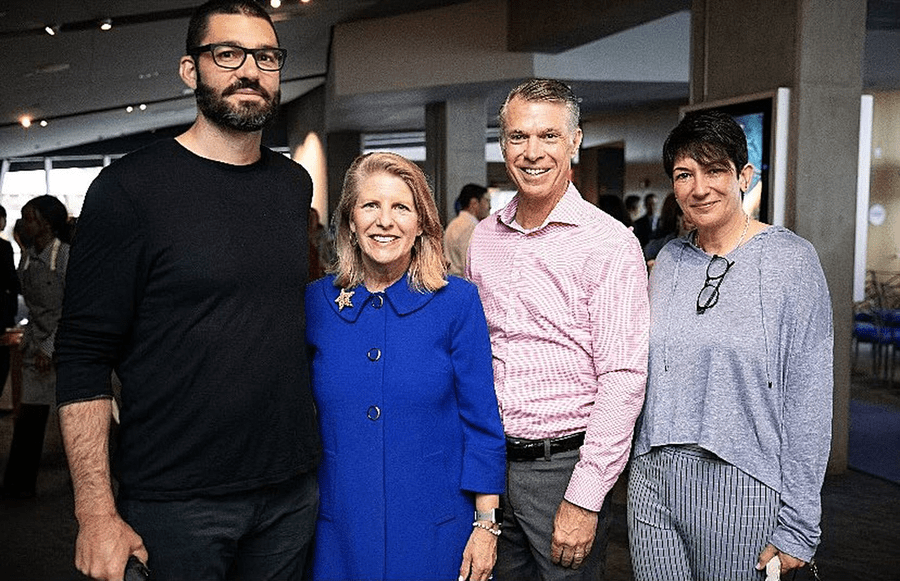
(564, 288)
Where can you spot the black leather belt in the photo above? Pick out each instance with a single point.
(518, 449)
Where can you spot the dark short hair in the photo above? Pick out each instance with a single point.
(546, 90)
(468, 193)
(199, 23)
(2, 212)
(615, 207)
(707, 137)
(632, 202)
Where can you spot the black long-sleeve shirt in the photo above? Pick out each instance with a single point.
(187, 277)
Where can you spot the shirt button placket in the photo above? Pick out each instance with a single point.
(374, 355)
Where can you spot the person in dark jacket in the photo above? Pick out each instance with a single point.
(9, 295)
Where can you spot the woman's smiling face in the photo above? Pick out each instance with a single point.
(386, 224)
(709, 194)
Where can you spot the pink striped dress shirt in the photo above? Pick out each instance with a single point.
(567, 310)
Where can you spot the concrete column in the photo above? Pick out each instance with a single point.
(455, 135)
(815, 48)
(824, 150)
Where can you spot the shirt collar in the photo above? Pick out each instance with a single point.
(566, 211)
(45, 254)
(402, 298)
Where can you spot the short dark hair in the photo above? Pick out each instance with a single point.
(632, 202)
(468, 193)
(707, 137)
(199, 24)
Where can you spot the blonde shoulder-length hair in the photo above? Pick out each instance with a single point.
(427, 269)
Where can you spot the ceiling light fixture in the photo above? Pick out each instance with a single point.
(106, 24)
(275, 3)
(142, 107)
(129, 109)
(51, 30)
(25, 121)
(44, 123)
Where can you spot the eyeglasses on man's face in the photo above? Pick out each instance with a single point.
(232, 56)
(715, 273)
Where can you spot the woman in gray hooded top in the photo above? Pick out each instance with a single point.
(734, 437)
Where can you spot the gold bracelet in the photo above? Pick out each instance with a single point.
(493, 531)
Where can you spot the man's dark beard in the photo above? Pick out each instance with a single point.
(244, 117)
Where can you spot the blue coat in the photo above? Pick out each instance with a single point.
(410, 428)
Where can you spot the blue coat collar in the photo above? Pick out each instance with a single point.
(403, 299)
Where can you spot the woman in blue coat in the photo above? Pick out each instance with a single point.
(401, 372)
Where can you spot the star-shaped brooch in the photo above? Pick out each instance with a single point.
(343, 299)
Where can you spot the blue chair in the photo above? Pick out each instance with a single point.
(891, 324)
(868, 327)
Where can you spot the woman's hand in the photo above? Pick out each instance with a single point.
(788, 562)
(479, 555)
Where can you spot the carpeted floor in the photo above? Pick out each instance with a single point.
(874, 440)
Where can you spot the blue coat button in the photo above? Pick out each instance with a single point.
(373, 413)
(377, 301)
(374, 354)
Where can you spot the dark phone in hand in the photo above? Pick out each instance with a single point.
(135, 570)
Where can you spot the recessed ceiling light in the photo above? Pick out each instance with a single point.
(129, 109)
(275, 3)
(25, 121)
(106, 24)
(44, 123)
(51, 30)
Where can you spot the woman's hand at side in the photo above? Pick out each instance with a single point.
(479, 555)
(788, 563)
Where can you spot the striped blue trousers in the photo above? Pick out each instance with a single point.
(693, 516)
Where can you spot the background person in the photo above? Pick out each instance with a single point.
(401, 372)
(645, 226)
(9, 296)
(475, 206)
(615, 207)
(736, 428)
(42, 272)
(633, 207)
(671, 225)
(564, 289)
(186, 279)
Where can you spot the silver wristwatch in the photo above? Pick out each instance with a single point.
(494, 516)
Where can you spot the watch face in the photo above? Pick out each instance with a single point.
(494, 515)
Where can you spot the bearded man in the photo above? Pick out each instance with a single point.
(186, 279)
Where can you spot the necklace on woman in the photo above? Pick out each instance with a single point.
(736, 246)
